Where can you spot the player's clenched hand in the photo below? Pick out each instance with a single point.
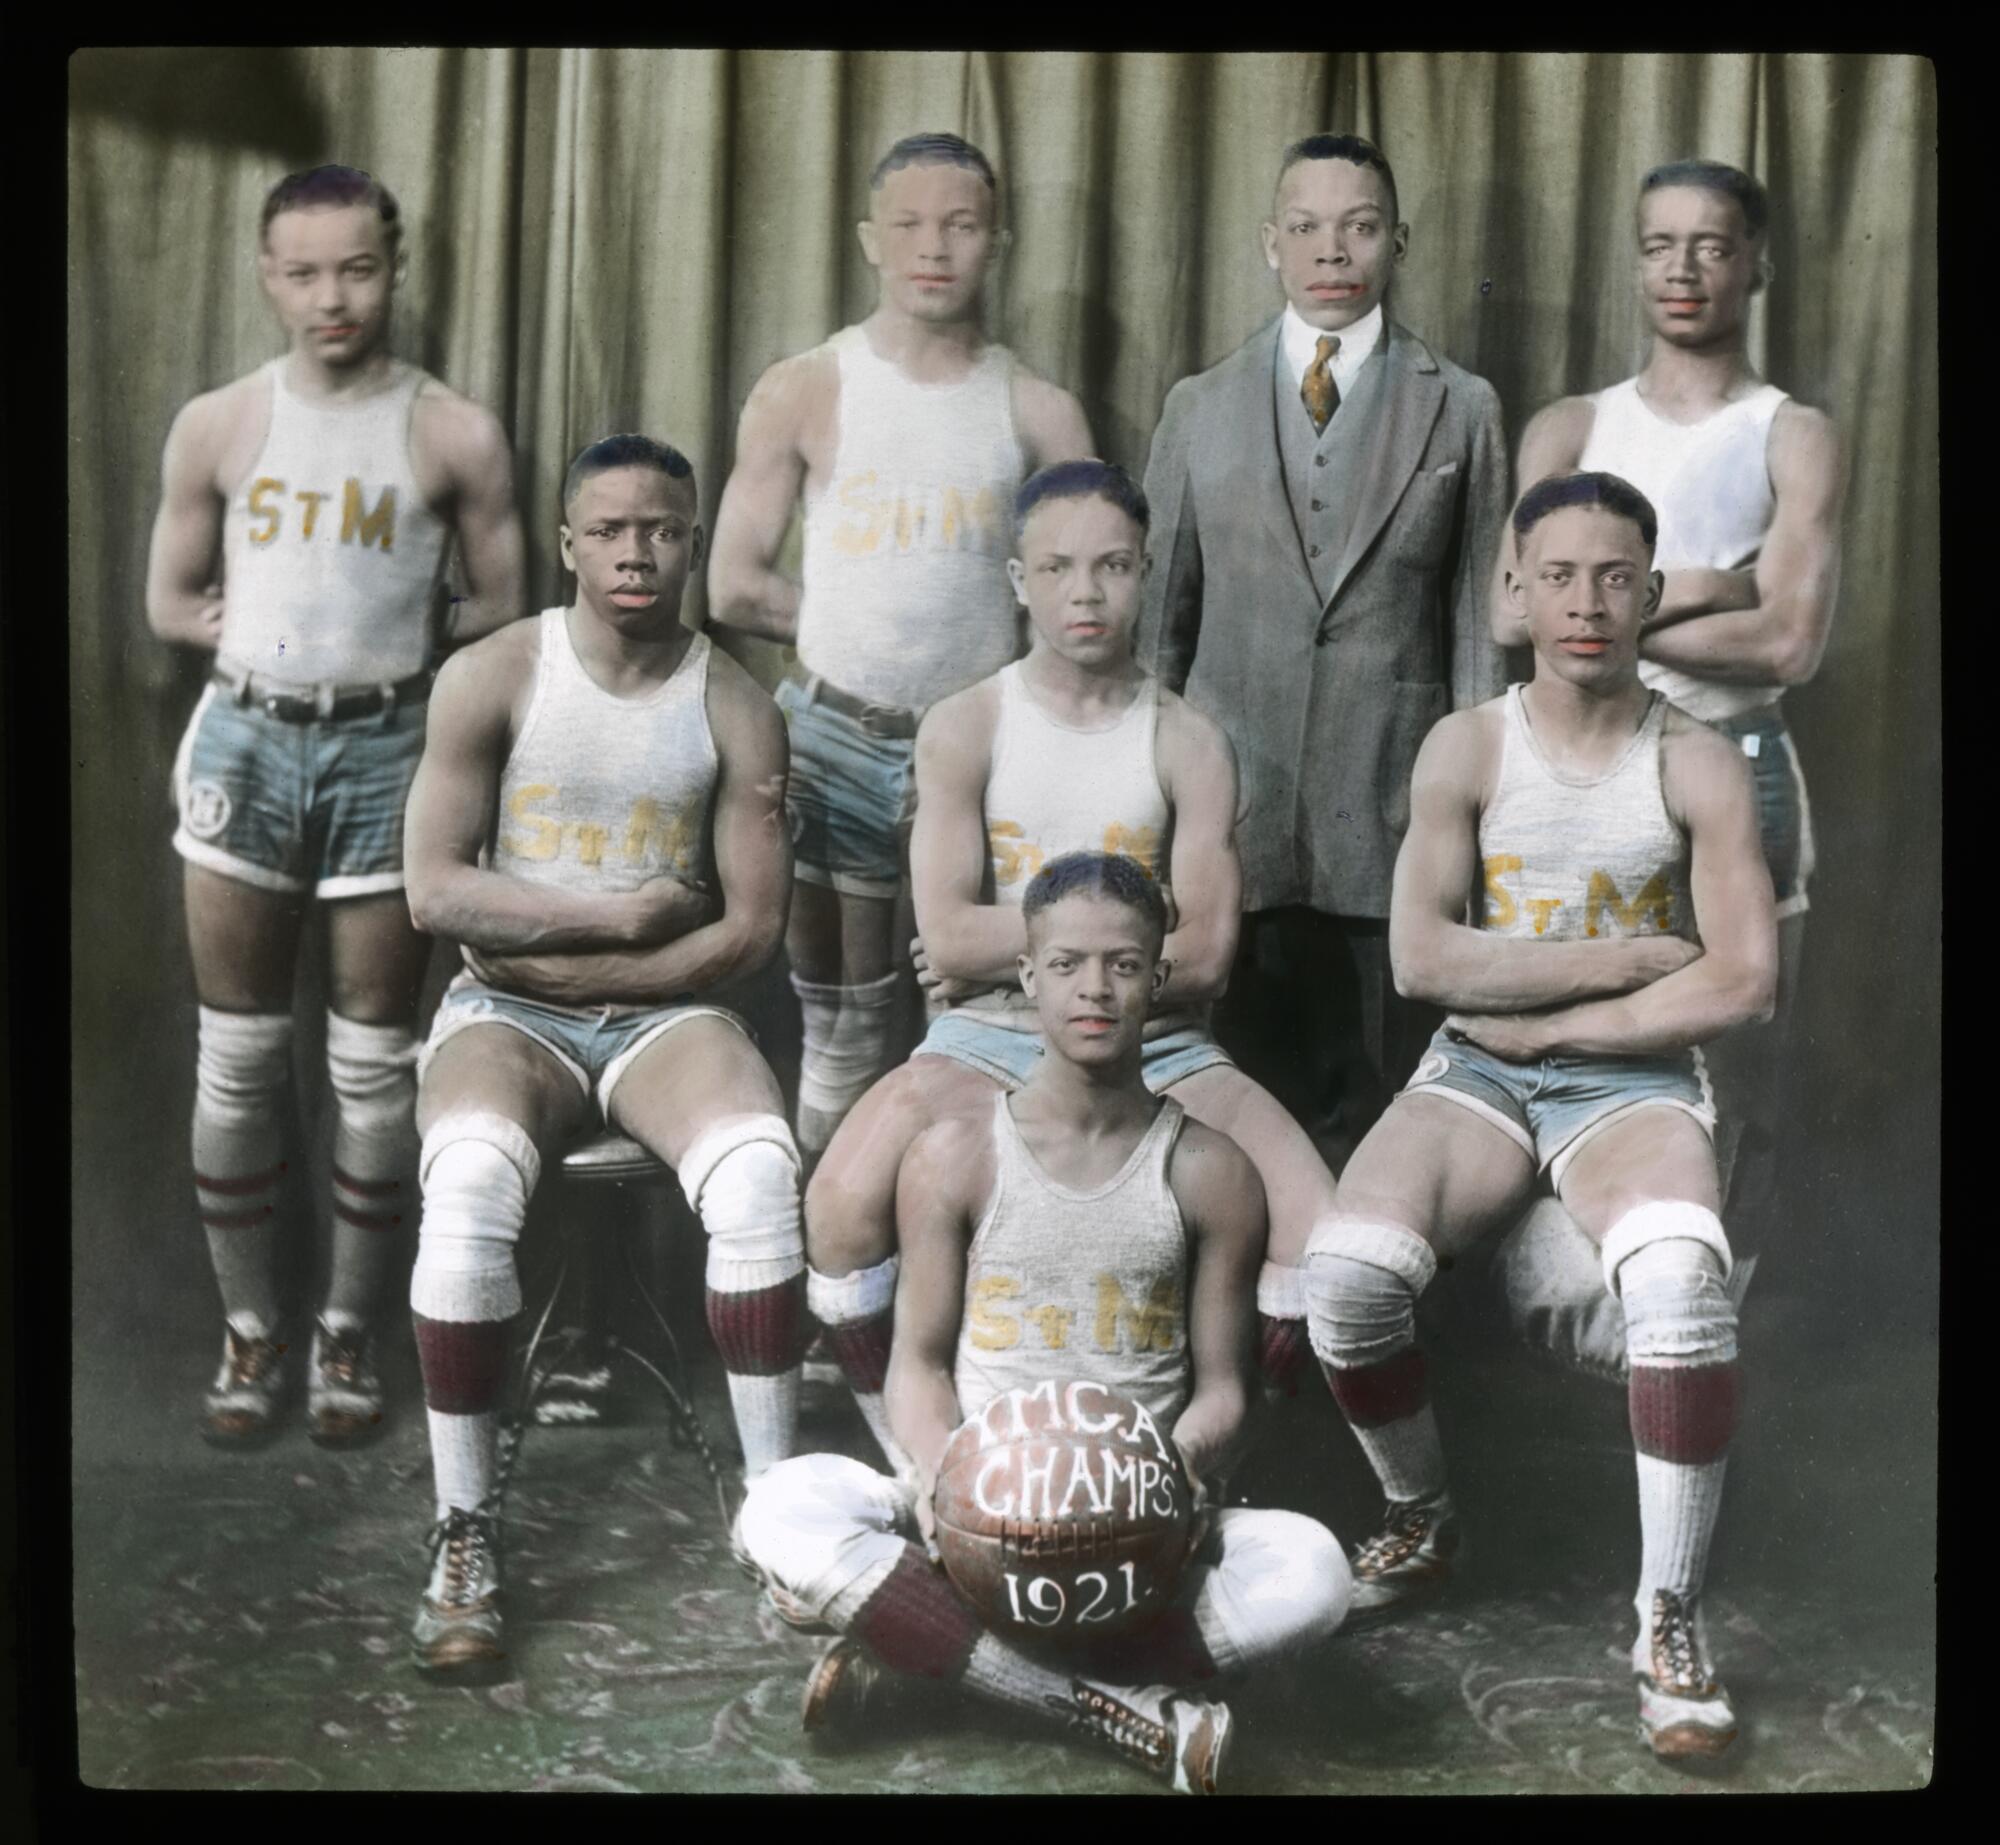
(927, 1518)
(1516, 1037)
(941, 989)
(665, 908)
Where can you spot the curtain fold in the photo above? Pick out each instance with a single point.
(607, 239)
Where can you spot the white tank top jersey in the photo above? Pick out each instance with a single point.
(332, 558)
(1062, 1283)
(603, 793)
(906, 596)
(1053, 788)
(1710, 483)
(1568, 859)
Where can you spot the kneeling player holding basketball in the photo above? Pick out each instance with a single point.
(1085, 1229)
(1608, 825)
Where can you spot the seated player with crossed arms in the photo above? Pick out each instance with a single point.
(1079, 1191)
(599, 820)
(1625, 917)
(1076, 747)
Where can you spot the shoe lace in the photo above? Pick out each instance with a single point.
(251, 1359)
(467, 1540)
(1677, 1656)
(339, 1358)
(1111, 1720)
(1410, 1522)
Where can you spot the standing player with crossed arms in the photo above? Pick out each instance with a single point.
(1080, 1187)
(907, 436)
(331, 483)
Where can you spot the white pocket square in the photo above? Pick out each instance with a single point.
(1450, 467)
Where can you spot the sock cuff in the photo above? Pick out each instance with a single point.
(482, 1124)
(843, 1300)
(369, 1043)
(716, 1143)
(1660, 1221)
(244, 1031)
(1379, 1244)
(1281, 1292)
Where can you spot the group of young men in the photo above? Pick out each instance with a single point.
(1190, 876)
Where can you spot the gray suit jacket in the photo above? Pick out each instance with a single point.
(1326, 703)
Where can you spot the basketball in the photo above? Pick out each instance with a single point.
(1063, 1509)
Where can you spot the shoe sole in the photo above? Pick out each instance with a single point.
(343, 1433)
(240, 1440)
(1688, 1745)
(461, 1665)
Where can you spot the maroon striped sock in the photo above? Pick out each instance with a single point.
(1684, 1413)
(239, 1213)
(464, 1363)
(916, 1622)
(761, 1333)
(1282, 1346)
(1371, 1395)
(861, 1349)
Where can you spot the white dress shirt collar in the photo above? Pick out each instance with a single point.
(1300, 341)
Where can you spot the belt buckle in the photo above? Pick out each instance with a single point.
(875, 719)
(324, 696)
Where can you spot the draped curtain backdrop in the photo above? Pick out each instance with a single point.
(606, 240)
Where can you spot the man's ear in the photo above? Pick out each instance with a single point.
(697, 546)
(1517, 594)
(1026, 967)
(1269, 233)
(1762, 277)
(1399, 242)
(1017, 574)
(399, 269)
(1656, 587)
(871, 247)
(1162, 968)
(563, 543)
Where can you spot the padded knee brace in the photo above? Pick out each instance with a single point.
(1669, 1264)
(1362, 1283)
(372, 1069)
(742, 1176)
(845, 1044)
(242, 1061)
(478, 1169)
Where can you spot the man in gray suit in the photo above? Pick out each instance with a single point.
(1327, 502)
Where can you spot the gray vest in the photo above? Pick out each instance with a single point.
(1323, 473)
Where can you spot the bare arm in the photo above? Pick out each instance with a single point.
(1222, 1201)
(1204, 873)
(746, 589)
(1478, 667)
(1170, 615)
(485, 516)
(946, 1169)
(451, 804)
(753, 866)
(186, 553)
(1433, 952)
(1770, 629)
(1735, 979)
(964, 938)
(1050, 421)
(1552, 443)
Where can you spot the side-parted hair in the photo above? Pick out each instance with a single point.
(628, 451)
(1556, 491)
(1714, 176)
(324, 186)
(1081, 480)
(934, 150)
(1357, 148)
(1110, 875)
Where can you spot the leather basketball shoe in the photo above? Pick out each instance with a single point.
(848, 1693)
(242, 1405)
(343, 1393)
(1684, 1713)
(1411, 1557)
(1181, 1739)
(458, 1630)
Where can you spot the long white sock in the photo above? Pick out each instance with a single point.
(242, 1063)
(1678, 1505)
(374, 1084)
(845, 1048)
(465, 1458)
(857, 1312)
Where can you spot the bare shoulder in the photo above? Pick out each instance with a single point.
(1699, 763)
(963, 724)
(1191, 741)
(1559, 431)
(489, 675)
(793, 394)
(952, 1162)
(451, 428)
(1460, 744)
(1804, 442)
(1209, 1172)
(742, 712)
(211, 428)
(1049, 417)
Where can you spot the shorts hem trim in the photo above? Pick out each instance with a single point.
(847, 883)
(1485, 1110)
(1563, 1157)
(213, 858)
(443, 1033)
(616, 1069)
(359, 884)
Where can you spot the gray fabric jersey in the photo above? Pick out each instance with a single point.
(603, 793)
(1568, 859)
(1062, 1283)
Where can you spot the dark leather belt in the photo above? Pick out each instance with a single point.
(890, 722)
(321, 703)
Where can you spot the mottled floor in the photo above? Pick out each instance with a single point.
(241, 1619)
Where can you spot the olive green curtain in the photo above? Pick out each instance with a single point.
(608, 240)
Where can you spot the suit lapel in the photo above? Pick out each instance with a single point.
(1263, 470)
(1412, 396)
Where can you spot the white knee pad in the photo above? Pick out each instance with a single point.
(242, 1062)
(372, 1069)
(846, 1040)
(742, 1177)
(1663, 1220)
(1362, 1282)
(1678, 1309)
(478, 1169)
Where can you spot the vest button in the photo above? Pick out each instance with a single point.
(1318, 506)
(1314, 552)
(1319, 461)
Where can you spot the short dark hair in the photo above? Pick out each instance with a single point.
(329, 186)
(1357, 148)
(1082, 480)
(1111, 875)
(934, 150)
(629, 451)
(1555, 491)
(1714, 176)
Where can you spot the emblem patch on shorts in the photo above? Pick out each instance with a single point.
(1434, 1065)
(205, 812)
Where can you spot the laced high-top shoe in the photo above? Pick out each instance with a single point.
(1411, 1557)
(242, 1405)
(1684, 1713)
(458, 1631)
(849, 1693)
(343, 1393)
(1181, 1739)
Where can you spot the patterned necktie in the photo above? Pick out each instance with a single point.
(1322, 396)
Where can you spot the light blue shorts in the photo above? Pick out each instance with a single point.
(595, 1044)
(1552, 1109)
(1784, 815)
(1009, 1057)
(312, 807)
(852, 797)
